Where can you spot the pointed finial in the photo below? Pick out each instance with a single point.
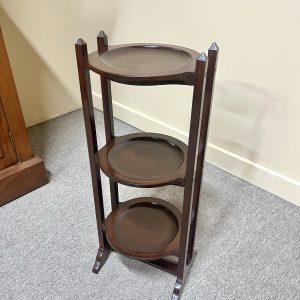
(102, 42)
(80, 42)
(214, 47)
(81, 51)
(202, 57)
(102, 34)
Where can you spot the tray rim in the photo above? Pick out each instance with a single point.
(170, 249)
(175, 178)
(180, 75)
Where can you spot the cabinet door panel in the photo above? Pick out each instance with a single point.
(8, 154)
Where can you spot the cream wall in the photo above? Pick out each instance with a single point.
(40, 37)
(254, 129)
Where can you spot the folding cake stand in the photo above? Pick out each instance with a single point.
(146, 228)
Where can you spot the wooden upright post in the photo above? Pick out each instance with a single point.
(198, 96)
(102, 42)
(89, 120)
(205, 114)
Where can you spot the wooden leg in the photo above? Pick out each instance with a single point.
(180, 281)
(177, 289)
(100, 259)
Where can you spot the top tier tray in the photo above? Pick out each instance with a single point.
(145, 64)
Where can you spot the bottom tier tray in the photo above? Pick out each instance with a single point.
(144, 228)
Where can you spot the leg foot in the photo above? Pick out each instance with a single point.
(180, 282)
(177, 289)
(100, 259)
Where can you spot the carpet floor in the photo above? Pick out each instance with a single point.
(248, 240)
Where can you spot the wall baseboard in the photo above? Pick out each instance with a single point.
(259, 175)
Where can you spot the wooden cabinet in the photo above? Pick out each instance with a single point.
(20, 171)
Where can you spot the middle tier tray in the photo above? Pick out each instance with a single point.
(144, 160)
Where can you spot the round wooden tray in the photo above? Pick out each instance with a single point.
(144, 228)
(144, 160)
(142, 63)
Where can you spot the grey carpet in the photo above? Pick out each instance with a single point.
(248, 240)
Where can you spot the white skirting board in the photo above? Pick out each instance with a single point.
(261, 176)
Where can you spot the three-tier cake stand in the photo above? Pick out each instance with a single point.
(147, 228)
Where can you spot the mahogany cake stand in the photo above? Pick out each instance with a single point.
(147, 228)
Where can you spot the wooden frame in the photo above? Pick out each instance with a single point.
(20, 171)
(192, 69)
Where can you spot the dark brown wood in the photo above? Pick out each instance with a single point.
(8, 155)
(210, 78)
(179, 283)
(151, 229)
(100, 259)
(89, 120)
(102, 42)
(144, 160)
(199, 92)
(145, 64)
(21, 178)
(144, 228)
(163, 264)
(12, 107)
